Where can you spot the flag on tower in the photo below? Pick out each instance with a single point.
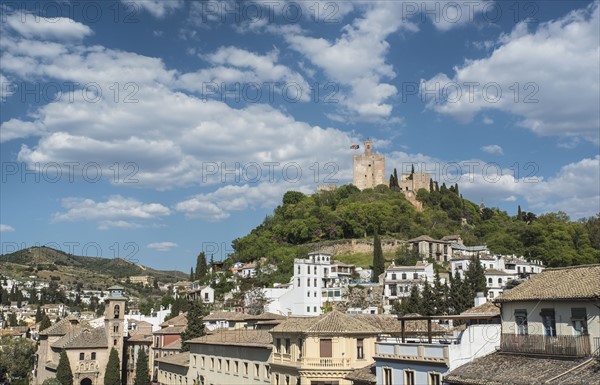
(355, 147)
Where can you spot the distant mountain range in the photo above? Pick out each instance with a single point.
(47, 263)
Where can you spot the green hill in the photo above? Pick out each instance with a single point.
(51, 264)
(348, 213)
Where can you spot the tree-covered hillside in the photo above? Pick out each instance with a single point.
(347, 213)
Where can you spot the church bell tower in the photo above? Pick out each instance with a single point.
(114, 319)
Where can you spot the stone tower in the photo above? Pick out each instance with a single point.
(368, 168)
(114, 319)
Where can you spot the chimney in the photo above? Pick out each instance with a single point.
(480, 298)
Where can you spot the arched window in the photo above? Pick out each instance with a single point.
(116, 311)
(403, 275)
(500, 281)
(490, 281)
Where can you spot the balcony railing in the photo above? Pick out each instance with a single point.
(311, 362)
(325, 362)
(539, 344)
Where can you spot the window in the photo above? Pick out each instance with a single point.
(393, 290)
(93, 355)
(387, 376)
(212, 363)
(298, 282)
(227, 366)
(81, 356)
(116, 328)
(415, 276)
(500, 281)
(245, 368)
(277, 379)
(521, 322)
(300, 347)
(491, 294)
(298, 269)
(267, 373)
(315, 308)
(308, 282)
(325, 347)
(393, 276)
(409, 377)
(490, 281)
(219, 367)
(579, 321)
(315, 282)
(288, 344)
(308, 293)
(256, 370)
(116, 311)
(278, 345)
(236, 367)
(549, 322)
(203, 361)
(360, 353)
(435, 379)
(308, 309)
(287, 380)
(315, 294)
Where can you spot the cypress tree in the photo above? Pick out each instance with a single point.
(475, 278)
(63, 371)
(413, 302)
(430, 185)
(201, 268)
(192, 274)
(142, 376)
(45, 323)
(38, 314)
(195, 324)
(112, 372)
(378, 261)
(427, 300)
(440, 295)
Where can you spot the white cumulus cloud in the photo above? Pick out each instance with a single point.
(162, 246)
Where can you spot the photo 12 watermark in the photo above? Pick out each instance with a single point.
(70, 172)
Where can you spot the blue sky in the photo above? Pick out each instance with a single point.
(152, 130)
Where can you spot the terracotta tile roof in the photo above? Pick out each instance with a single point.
(241, 337)
(518, 369)
(63, 326)
(175, 345)
(578, 282)
(178, 320)
(496, 272)
(267, 316)
(170, 330)
(333, 322)
(88, 338)
(179, 359)
(364, 375)
(423, 238)
(225, 315)
(138, 336)
(487, 308)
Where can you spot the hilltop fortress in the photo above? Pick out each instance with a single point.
(368, 170)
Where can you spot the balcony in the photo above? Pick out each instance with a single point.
(576, 346)
(310, 362)
(325, 362)
(420, 352)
